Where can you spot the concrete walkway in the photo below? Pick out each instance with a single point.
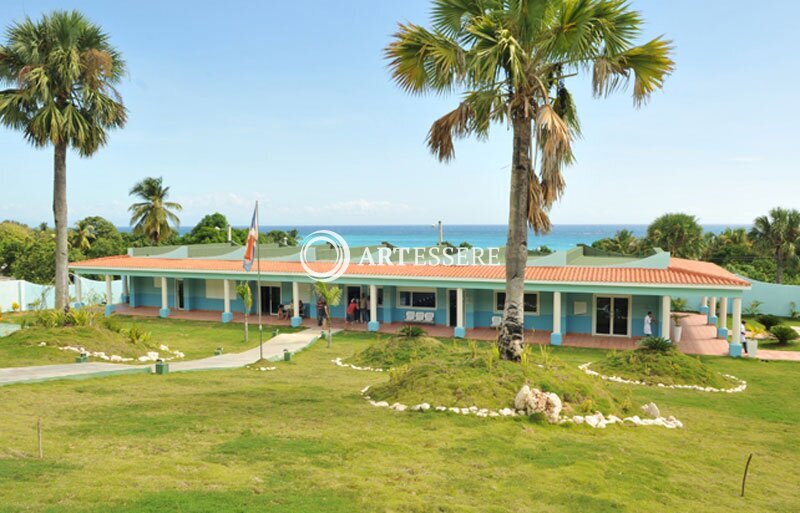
(273, 350)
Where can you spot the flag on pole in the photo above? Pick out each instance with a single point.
(252, 242)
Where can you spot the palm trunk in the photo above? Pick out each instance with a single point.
(779, 266)
(246, 329)
(511, 336)
(328, 322)
(60, 216)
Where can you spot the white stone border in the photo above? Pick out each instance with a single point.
(339, 363)
(151, 356)
(616, 379)
(598, 420)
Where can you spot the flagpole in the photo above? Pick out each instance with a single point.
(258, 287)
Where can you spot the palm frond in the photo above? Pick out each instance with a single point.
(455, 123)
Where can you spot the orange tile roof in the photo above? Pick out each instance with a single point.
(679, 272)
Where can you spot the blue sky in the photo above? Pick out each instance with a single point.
(290, 103)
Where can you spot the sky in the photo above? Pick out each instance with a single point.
(291, 104)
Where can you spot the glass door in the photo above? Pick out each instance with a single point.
(611, 315)
(179, 302)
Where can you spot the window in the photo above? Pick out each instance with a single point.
(531, 300)
(416, 299)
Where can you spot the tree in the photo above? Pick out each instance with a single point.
(778, 233)
(244, 291)
(624, 242)
(283, 238)
(61, 72)
(680, 234)
(212, 228)
(81, 237)
(109, 241)
(510, 60)
(333, 297)
(153, 215)
(13, 238)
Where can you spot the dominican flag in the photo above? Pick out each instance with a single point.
(252, 242)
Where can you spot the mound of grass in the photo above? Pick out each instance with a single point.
(394, 351)
(668, 367)
(93, 338)
(465, 377)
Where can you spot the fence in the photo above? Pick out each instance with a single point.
(30, 296)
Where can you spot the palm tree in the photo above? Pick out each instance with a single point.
(510, 60)
(624, 242)
(332, 296)
(152, 216)
(61, 71)
(82, 237)
(779, 232)
(680, 234)
(243, 291)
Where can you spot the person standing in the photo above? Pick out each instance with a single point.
(321, 315)
(352, 311)
(648, 324)
(743, 332)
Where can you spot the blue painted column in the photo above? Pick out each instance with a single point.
(704, 305)
(227, 315)
(555, 336)
(132, 291)
(78, 293)
(374, 324)
(126, 296)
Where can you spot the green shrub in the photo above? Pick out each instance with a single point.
(768, 321)
(783, 333)
(678, 304)
(657, 344)
(136, 335)
(410, 331)
(111, 324)
(754, 308)
(50, 318)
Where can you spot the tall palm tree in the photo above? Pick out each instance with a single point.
(61, 71)
(778, 232)
(153, 215)
(680, 234)
(246, 294)
(510, 61)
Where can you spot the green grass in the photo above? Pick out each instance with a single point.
(769, 343)
(301, 439)
(464, 375)
(196, 339)
(387, 352)
(653, 367)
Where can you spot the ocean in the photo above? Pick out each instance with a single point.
(563, 236)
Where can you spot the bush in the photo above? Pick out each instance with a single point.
(50, 318)
(783, 333)
(657, 344)
(678, 304)
(754, 308)
(136, 334)
(409, 331)
(768, 321)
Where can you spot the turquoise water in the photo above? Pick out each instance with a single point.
(484, 236)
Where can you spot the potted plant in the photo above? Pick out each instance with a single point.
(677, 329)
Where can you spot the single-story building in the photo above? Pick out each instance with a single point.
(579, 291)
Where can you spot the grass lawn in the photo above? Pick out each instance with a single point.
(771, 344)
(301, 439)
(196, 339)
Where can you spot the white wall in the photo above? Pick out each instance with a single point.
(26, 294)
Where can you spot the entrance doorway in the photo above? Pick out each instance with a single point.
(270, 300)
(612, 315)
(179, 301)
(452, 308)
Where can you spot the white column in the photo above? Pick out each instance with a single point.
(555, 337)
(109, 296)
(226, 294)
(296, 319)
(723, 318)
(373, 303)
(736, 336)
(78, 291)
(704, 302)
(665, 317)
(109, 292)
(460, 330)
(125, 289)
(164, 298)
(712, 311)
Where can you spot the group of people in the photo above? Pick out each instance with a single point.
(357, 310)
(649, 320)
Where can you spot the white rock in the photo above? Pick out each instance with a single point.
(652, 410)
(578, 419)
